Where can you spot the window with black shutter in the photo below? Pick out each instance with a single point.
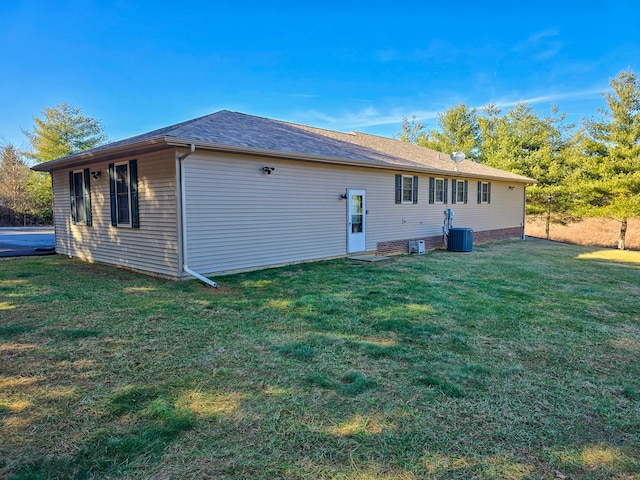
(459, 191)
(484, 192)
(406, 189)
(80, 197)
(123, 189)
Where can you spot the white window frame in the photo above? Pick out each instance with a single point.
(484, 192)
(79, 195)
(128, 184)
(442, 199)
(410, 179)
(460, 192)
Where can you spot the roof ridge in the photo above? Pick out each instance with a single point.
(402, 142)
(238, 131)
(285, 122)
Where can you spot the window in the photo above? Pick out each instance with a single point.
(122, 193)
(406, 189)
(78, 192)
(459, 190)
(357, 214)
(438, 190)
(484, 192)
(123, 189)
(80, 196)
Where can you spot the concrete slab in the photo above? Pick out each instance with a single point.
(22, 241)
(368, 258)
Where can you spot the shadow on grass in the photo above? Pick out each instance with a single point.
(350, 384)
(8, 332)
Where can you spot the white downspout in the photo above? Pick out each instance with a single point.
(524, 213)
(183, 228)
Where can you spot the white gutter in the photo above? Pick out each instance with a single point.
(183, 226)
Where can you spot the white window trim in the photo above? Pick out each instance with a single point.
(483, 191)
(410, 177)
(435, 191)
(84, 211)
(128, 183)
(459, 191)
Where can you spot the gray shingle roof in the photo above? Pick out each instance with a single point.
(240, 131)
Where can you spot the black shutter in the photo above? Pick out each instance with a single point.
(133, 188)
(446, 197)
(415, 189)
(489, 192)
(398, 188)
(479, 192)
(432, 190)
(466, 190)
(87, 196)
(112, 194)
(72, 195)
(454, 188)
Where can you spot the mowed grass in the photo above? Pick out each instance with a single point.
(515, 361)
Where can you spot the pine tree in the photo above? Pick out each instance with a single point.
(458, 131)
(607, 182)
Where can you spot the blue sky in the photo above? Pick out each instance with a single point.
(141, 65)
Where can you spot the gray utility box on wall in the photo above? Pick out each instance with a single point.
(460, 240)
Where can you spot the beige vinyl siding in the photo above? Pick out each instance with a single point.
(153, 247)
(505, 210)
(238, 217)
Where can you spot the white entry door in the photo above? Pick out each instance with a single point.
(356, 221)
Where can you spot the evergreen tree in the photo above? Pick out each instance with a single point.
(607, 179)
(488, 122)
(458, 130)
(538, 147)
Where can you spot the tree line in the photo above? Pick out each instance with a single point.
(587, 170)
(25, 195)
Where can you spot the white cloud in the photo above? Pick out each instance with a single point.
(376, 119)
(553, 97)
(537, 37)
(366, 117)
(541, 46)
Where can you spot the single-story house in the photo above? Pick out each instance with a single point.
(230, 192)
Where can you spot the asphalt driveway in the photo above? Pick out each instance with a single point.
(21, 241)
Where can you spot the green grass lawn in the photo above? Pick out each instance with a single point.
(514, 361)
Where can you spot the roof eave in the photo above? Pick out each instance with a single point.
(284, 154)
(161, 142)
(217, 147)
(82, 158)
